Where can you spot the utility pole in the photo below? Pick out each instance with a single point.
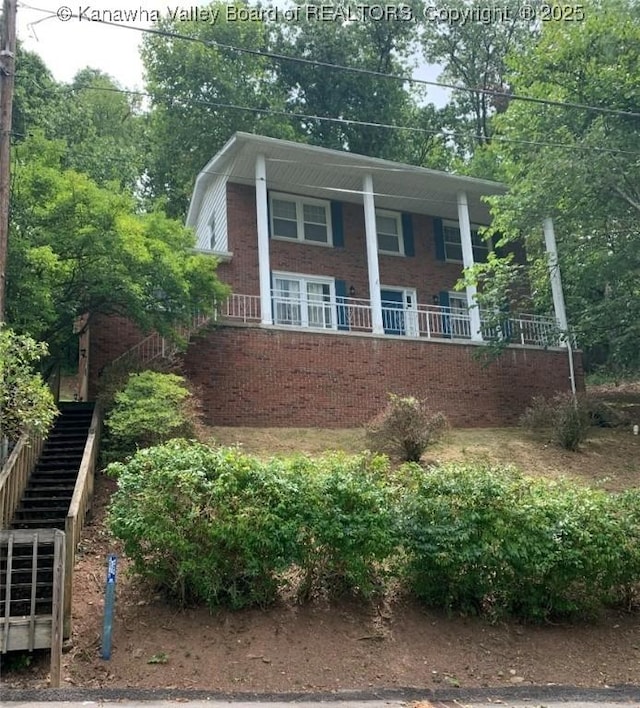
(7, 75)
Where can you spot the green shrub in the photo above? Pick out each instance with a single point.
(347, 524)
(206, 526)
(220, 527)
(26, 403)
(405, 428)
(567, 418)
(492, 541)
(152, 408)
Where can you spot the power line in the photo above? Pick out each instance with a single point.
(445, 135)
(367, 72)
(436, 133)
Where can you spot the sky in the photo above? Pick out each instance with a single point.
(68, 45)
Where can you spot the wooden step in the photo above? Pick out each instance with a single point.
(38, 502)
(49, 488)
(28, 512)
(43, 523)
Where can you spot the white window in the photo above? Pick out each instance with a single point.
(389, 229)
(212, 232)
(300, 219)
(453, 243)
(304, 301)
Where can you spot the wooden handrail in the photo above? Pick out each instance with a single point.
(15, 474)
(80, 502)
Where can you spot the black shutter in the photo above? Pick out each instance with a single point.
(336, 224)
(407, 234)
(341, 307)
(438, 234)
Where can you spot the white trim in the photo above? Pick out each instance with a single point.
(373, 267)
(222, 256)
(467, 261)
(554, 274)
(300, 202)
(232, 162)
(346, 158)
(410, 310)
(303, 279)
(459, 322)
(262, 218)
(397, 216)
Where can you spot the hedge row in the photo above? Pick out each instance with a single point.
(220, 527)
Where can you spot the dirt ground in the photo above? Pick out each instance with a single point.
(345, 645)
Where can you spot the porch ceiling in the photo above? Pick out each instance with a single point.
(332, 174)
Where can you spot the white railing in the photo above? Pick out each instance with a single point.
(245, 308)
(355, 315)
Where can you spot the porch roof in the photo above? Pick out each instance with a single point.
(334, 174)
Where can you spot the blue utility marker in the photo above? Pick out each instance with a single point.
(109, 602)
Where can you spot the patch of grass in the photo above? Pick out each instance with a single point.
(610, 459)
(267, 442)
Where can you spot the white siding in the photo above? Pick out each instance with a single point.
(214, 204)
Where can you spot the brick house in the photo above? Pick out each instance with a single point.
(342, 269)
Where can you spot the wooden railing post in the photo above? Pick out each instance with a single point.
(57, 608)
(15, 475)
(78, 508)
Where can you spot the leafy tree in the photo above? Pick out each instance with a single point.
(474, 54)
(104, 129)
(101, 125)
(26, 403)
(76, 248)
(37, 100)
(380, 47)
(581, 167)
(194, 87)
(201, 91)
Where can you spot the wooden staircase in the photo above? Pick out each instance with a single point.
(46, 500)
(36, 558)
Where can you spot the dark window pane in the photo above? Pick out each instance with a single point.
(315, 232)
(386, 242)
(285, 229)
(453, 252)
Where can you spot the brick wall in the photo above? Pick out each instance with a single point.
(109, 338)
(423, 272)
(268, 377)
(249, 376)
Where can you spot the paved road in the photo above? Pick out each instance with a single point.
(320, 704)
(529, 697)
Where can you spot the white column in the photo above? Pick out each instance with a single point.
(467, 262)
(554, 274)
(371, 234)
(262, 218)
(558, 295)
